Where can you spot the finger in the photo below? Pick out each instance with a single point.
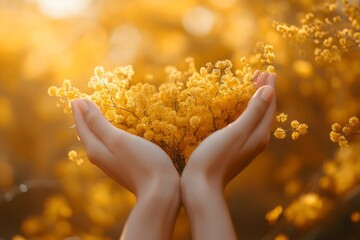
(95, 149)
(259, 138)
(267, 120)
(262, 79)
(96, 122)
(271, 80)
(255, 76)
(255, 111)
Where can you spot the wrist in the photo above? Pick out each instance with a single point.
(197, 187)
(204, 202)
(161, 189)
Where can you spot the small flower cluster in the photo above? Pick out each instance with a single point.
(339, 133)
(307, 209)
(265, 53)
(281, 237)
(297, 129)
(273, 215)
(74, 157)
(333, 27)
(178, 114)
(343, 172)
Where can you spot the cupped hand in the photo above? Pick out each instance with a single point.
(226, 152)
(131, 160)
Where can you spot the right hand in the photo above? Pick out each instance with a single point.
(131, 160)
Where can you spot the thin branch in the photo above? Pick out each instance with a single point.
(113, 102)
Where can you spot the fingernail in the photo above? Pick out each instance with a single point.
(266, 93)
(255, 76)
(82, 104)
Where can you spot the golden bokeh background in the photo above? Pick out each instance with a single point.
(43, 195)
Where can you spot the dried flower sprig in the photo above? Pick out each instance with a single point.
(333, 27)
(339, 133)
(297, 129)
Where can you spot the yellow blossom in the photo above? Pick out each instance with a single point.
(74, 157)
(282, 117)
(305, 210)
(280, 133)
(340, 133)
(281, 237)
(52, 91)
(334, 136)
(353, 122)
(294, 124)
(343, 172)
(274, 214)
(295, 135)
(336, 127)
(270, 69)
(302, 128)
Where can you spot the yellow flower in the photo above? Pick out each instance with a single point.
(354, 122)
(294, 124)
(334, 136)
(308, 208)
(74, 157)
(302, 128)
(281, 237)
(295, 135)
(336, 127)
(274, 214)
(194, 121)
(343, 142)
(270, 69)
(52, 91)
(282, 117)
(280, 133)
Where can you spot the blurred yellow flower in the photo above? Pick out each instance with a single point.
(305, 210)
(274, 214)
(281, 118)
(280, 133)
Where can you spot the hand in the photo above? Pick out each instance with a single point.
(137, 164)
(131, 160)
(226, 152)
(220, 157)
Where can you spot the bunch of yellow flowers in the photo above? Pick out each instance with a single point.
(339, 133)
(303, 211)
(178, 114)
(297, 129)
(342, 173)
(333, 27)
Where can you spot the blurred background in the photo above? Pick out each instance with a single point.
(44, 195)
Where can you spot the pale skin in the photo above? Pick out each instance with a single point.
(148, 172)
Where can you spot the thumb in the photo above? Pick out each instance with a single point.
(95, 121)
(255, 111)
